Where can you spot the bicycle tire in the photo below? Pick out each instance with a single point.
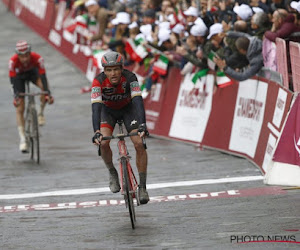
(128, 194)
(34, 137)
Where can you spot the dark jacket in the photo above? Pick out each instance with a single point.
(254, 56)
(287, 28)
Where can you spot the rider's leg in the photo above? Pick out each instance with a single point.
(106, 154)
(141, 163)
(21, 125)
(41, 117)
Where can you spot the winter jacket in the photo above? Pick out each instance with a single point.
(254, 56)
(286, 29)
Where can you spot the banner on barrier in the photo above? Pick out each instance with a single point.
(248, 116)
(193, 108)
(288, 148)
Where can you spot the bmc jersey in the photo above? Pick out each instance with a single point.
(115, 96)
(16, 67)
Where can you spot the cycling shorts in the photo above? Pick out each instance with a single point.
(128, 114)
(20, 79)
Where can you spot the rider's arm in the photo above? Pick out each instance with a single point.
(137, 100)
(42, 70)
(45, 83)
(139, 105)
(96, 115)
(96, 99)
(12, 75)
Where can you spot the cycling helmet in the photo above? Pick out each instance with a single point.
(22, 47)
(112, 58)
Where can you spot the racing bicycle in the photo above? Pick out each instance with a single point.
(129, 184)
(31, 123)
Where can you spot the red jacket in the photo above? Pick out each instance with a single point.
(287, 28)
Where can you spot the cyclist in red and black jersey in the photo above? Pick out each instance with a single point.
(116, 95)
(26, 65)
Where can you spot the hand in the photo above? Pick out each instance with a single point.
(97, 138)
(221, 63)
(142, 130)
(49, 99)
(181, 50)
(16, 101)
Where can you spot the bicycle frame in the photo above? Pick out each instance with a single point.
(123, 153)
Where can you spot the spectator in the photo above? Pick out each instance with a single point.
(283, 25)
(100, 15)
(260, 24)
(252, 48)
(243, 12)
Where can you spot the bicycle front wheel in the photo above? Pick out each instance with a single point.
(34, 137)
(128, 192)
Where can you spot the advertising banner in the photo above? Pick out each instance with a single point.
(37, 14)
(288, 149)
(192, 108)
(248, 116)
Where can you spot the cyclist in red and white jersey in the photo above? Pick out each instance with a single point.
(116, 95)
(26, 65)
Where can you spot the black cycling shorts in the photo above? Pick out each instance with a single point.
(128, 114)
(20, 79)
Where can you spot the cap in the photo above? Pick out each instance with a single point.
(199, 21)
(178, 28)
(191, 11)
(257, 9)
(243, 11)
(133, 25)
(215, 29)
(295, 5)
(149, 13)
(147, 31)
(163, 35)
(164, 25)
(121, 17)
(198, 30)
(90, 2)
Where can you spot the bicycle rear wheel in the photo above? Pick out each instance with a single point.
(34, 137)
(128, 192)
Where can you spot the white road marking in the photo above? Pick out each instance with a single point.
(149, 186)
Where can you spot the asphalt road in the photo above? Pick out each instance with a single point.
(200, 199)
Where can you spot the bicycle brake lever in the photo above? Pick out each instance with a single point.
(99, 150)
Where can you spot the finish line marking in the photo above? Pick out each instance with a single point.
(156, 199)
(149, 186)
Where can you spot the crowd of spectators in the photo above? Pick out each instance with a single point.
(241, 34)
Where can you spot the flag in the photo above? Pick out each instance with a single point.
(223, 80)
(210, 60)
(97, 55)
(136, 52)
(161, 65)
(199, 74)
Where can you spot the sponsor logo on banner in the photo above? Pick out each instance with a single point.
(193, 108)
(279, 109)
(36, 7)
(55, 37)
(155, 94)
(248, 116)
(269, 151)
(60, 15)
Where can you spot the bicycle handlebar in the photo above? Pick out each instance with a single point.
(34, 94)
(120, 136)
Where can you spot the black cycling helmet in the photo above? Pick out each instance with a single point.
(22, 47)
(112, 58)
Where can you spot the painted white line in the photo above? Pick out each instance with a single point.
(149, 186)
